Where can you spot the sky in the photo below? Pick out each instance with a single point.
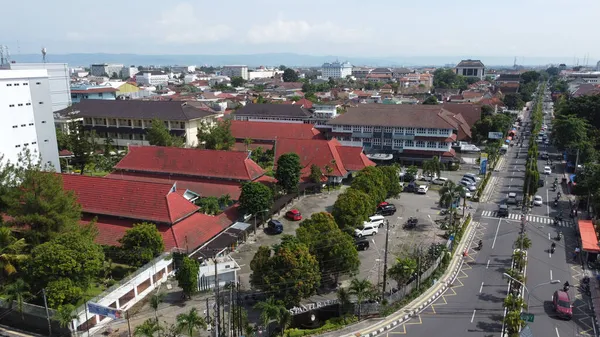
(356, 28)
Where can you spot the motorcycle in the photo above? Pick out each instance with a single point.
(555, 203)
(479, 245)
(585, 288)
(558, 195)
(559, 236)
(552, 249)
(554, 188)
(566, 286)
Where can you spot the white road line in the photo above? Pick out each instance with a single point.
(496, 235)
(473, 317)
(555, 328)
(488, 263)
(481, 288)
(551, 275)
(547, 204)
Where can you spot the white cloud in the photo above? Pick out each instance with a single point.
(181, 24)
(284, 31)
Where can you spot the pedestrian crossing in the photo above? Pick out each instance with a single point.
(530, 218)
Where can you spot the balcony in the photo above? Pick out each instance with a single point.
(403, 136)
(362, 134)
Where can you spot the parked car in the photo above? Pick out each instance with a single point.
(473, 176)
(361, 243)
(468, 195)
(293, 215)
(387, 209)
(275, 226)
(538, 201)
(503, 210)
(468, 185)
(365, 230)
(541, 182)
(411, 187)
(547, 170)
(562, 304)
(423, 189)
(376, 220)
(440, 181)
(428, 177)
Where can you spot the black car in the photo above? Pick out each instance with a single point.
(541, 182)
(361, 243)
(388, 209)
(503, 210)
(544, 155)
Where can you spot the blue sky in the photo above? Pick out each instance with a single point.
(524, 28)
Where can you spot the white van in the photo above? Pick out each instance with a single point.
(365, 230)
(376, 220)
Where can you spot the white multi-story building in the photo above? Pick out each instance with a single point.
(59, 81)
(152, 77)
(235, 71)
(105, 69)
(263, 73)
(470, 68)
(183, 69)
(26, 116)
(336, 70)
(128, 72)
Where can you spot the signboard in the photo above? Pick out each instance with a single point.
(483, 160)
(526, 332)
(527, 317)
(495, 135)
(95, 308)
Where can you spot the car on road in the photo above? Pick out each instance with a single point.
(502, 210)
(538, 201)
(562, 304)
(440, 181)
(365, 230)
(544, 155)
(386, 209)
(547, 142)
(423, 189)
(468, 185)
(541, 182)
(511, 198)
(294, 215)
(547, 170)
(361, 243)
(275, 226)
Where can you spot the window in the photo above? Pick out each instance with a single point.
(356, 128)
(15, 126)
(182, 125)
(23, 125)
(17, 145)
(388, 129)
(99, 121)
(99, 94)
(431, 145)
(367, 140)
(26, 144)
(28, 104)
(38, 83)
(16, 84)
(355, 139)
(347, 127)
(431, 131)
(25, 83)
(409, 143)
(33, 143)
(367, 129)
(421, 131)
(410, 131)
(45, 140)
(442, 145)
(74, 96)
(40, 102)
(387, 141)
(20, 104)
(376, 141)
(8, 84)
(124, 122)
(87, 121)
(397, 142)
(112, 121)
(377, 129)
(137, 123)
(399, 130)
(43, 122)
(420, 143)
(30, 124)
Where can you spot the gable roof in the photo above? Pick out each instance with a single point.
(128, 199)
(273, 110)
(135, 109)
(270, 131)
(470, 112)
(353, 158)
(407, 115)
(470, 63)
(191, 162)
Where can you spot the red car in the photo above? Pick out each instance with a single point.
(383, 203)
(293, 215)
(562, 304)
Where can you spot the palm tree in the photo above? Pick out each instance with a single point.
(155, 301)
(10, 251)
(512, 302)
(17, 291)
(449, 193)
(343, 297)
(513, 322)
(519, 259)
(523, 242)
(269, 310)
(225, 200)
(190, 322)
(284, 319)
(147, 329)
(436, 166)
(362, 289)
(65, 316)
(247, 142)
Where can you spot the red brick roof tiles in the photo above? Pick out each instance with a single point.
(272, 131)
(353, 158)
(191, 162)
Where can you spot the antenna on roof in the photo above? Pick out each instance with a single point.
(44, 54)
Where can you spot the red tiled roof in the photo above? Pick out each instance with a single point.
(240, 146)
(145, 201)
(471, 113)
(272, 131)
(65, 153)
(353, 158)
(305, 103)
(198, 229)
(191, 162)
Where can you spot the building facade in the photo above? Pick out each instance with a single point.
(26, 115)
(59, 81)
(471, 68)
(336, 70)
(82, 92)
(105, 69)
(361, 72)
(282, 113)
(128, 72)
(183, 69)
(151, 77)
(235, 71)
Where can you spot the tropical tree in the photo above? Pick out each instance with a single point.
(513, 322)
(158, 134)
(523, 242)
(247, 142)
(142, 243)
(343, 296)
(17, 292)
(284, 318)
(155, 301)
(65, 314)
(362, 289)
(215, 136)
(449, 193)
(512, 302)
(403, 270)
(225, 200)
(352, 208)
(149, 328)
(187, 276)
(315, 174)
(11, 251)
(269, 310)
(190, 322)
(371, 181)
(288, 171)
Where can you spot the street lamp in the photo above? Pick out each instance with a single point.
(532, 289)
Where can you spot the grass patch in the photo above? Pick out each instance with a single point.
(330, 325)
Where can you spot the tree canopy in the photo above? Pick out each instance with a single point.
(187, 276)
(288, 171)
(371, 180)
(290, 75)
(352, 208)
(237, 81)
(431, 100)
(158, 134)
(255, 198)
(446, 78)
(142, 243)
(215, 136)
(513, 101)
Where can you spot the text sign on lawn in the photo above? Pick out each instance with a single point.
(495, 135)
(95, 308)
(527, 317)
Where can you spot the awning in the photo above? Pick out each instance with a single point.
(589, 240)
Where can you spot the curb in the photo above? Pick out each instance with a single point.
(425, 300)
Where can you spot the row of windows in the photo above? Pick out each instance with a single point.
(400, 142)
(129, 122)
(18, 104)
(17, 84)
(32, 143)
(22, 125)
(390, 129)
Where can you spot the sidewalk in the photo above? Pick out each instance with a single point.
(374, 327)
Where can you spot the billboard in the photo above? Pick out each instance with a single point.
(495, 135)
(483, 160)
(95, 308)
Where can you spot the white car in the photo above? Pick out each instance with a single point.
(547, 170)
(537, 200)
(440, 181)
(423, 189)
(468, 195)
(468, 185)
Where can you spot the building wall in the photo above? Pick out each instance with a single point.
(235, 71)
(127, 88)
(108, 69)
(110, 96)
(128, 72)
(149, 79)
(465, 71)
(59, 81)
(26, 115)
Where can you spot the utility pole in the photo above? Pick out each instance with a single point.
(418, 267)
(385, 257)
(217, 312)
(47, 313)
(207, 311)
(229, 328)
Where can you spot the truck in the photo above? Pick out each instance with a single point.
(465, 147)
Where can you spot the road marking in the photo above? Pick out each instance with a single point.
(473, 317)
(551, 275)
(481, 288)
(487, 265)
(547, 203)
(556, 329)
(496, 236)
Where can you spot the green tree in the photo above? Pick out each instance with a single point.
(261, 266)
(237, 81)
(225, 200)
(190, 322)
(270, 310)
(362, 289)
(553, 71)
(63, 140)
(523, 242)
(570, 132)
(187, 276)
(255, 198)
(65, 314)
(62, 291)
(513, 322)
(513, 101)
(431, 100)
(391, 176)
(352, 208)
(446, 78)
(334, 250)
(158, 134)
(290, 75)
(316, 175)
(216, 136)
(292, 272)
(147, 329)
(486, 110)
(155, 301)
(282, 67)
(343, 297)
(11, 251)
(247, 142)
(288, 171)
(79, 144)
(411, 173)
(371, 181)
(403, 270)
(450, 193)
(142, 243)
(209, 205)
(17, 292)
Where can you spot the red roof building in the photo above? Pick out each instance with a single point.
(265, 134)
(324, 153)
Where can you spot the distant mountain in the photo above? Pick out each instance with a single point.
(272, 59)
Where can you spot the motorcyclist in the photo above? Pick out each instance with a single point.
(480, 244)
(566, 286)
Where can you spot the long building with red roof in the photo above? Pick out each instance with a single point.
(265, 134)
